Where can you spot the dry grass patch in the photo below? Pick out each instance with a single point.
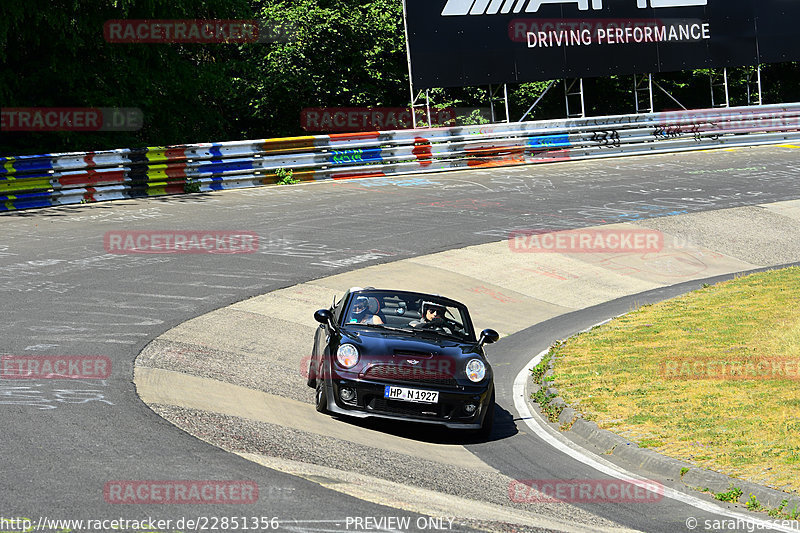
(640, 376)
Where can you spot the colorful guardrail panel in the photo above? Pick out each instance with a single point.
(73, 178)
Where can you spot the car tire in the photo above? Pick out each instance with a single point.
(321, 398)
(488, 421)
(312, 376)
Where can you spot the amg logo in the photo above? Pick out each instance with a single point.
(492, 7)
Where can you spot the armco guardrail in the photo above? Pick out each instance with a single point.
(61, 179)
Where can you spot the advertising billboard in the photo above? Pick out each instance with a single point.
(456, 43)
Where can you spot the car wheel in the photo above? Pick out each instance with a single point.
(321, 399)
(312, 376)
(488, 420)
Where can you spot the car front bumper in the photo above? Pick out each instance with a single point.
(449, 411)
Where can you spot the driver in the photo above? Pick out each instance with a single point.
(433, 311)
(362, 314)
(432, 314)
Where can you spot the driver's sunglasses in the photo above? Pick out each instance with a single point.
(436, 312)
(359, 307)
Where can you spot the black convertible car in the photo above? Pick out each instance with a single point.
(404, 356)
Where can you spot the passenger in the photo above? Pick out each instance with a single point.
(365, 311)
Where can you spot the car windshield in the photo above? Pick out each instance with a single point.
(409, 312)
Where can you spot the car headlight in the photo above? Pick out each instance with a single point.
(347, 355)
(476, 370)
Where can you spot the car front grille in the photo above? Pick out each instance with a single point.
(376, 403)
(410, 374)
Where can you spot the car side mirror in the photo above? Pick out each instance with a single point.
(488, 336)
(324, 316)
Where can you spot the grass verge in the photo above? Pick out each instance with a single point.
(712, 378)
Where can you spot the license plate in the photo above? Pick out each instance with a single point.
(411, 395)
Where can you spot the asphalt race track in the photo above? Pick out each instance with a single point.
(63, 294)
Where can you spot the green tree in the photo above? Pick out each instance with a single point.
(53, 54)
(340, 53)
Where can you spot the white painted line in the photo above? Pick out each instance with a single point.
(169, 296)
(571, 449)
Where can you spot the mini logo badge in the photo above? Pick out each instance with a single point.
(412, 361)
(492, 7)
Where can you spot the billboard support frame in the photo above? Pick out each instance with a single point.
(417, 102)
(569, 85)
(528, 112)
(750, 83)
(643, 85)
(658, 85)
(494, 96)
(713, 76)
(414, 96)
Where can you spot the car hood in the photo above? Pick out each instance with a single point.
(426, 352)
(378, 343)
